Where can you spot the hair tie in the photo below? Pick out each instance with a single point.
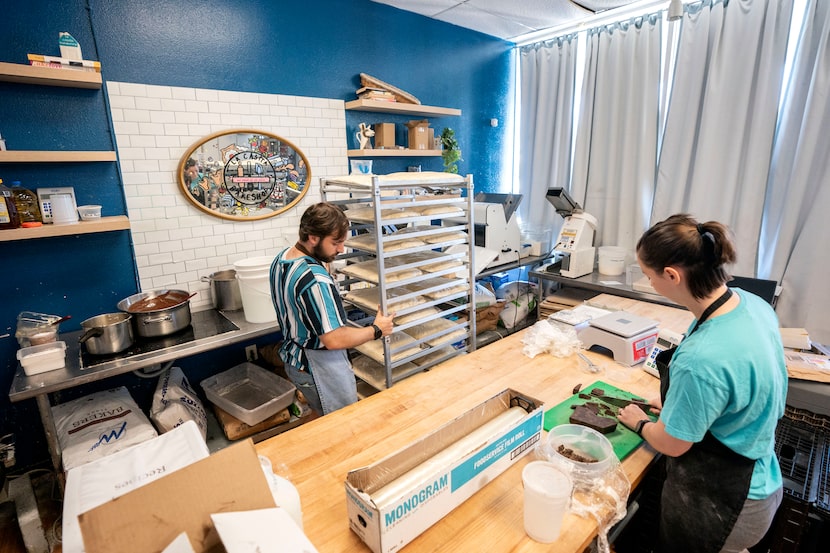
(708, 240)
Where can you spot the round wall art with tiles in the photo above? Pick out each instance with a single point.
(243, 174)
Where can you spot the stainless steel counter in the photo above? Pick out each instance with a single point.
(73, 374)
(603, 284)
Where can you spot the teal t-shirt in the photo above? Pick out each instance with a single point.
(730, 377)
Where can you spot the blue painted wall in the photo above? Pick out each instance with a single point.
(310, 48)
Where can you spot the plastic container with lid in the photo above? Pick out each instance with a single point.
(28, 207)
(9, 217)
(42, 358)
(36, 328)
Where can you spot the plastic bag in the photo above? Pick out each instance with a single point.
(545, 337)
(512, 290)
(516, 310)
(603, 495)
(175, 402)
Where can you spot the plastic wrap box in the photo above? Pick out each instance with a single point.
(249, 392)
(434, 475)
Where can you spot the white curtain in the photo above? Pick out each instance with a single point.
(545, 131)
(717, 146)
(798, 198)
(616, 150)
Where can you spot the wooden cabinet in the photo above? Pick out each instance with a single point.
(413, 249)
(398, 108)
(47, 76)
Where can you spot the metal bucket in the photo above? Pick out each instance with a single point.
(224, 289)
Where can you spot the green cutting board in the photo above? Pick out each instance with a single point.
(624, 440)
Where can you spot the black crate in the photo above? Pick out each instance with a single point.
(822, 504)
(799, 448)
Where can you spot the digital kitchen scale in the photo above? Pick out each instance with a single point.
(627, 336)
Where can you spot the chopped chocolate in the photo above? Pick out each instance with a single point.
(599, 392)
(573, 455)
(577, 388)
(585, 416)
(585, 396)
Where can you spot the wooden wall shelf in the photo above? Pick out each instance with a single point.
(105, 224)
(46, 156)
(393, 153)
(49, 76)
(380, 106)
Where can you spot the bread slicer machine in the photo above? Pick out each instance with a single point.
(497, 237)
(576, 238)
(629, 337)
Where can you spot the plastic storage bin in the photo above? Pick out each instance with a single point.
(42, 358)
(249, 392)
(36, 328)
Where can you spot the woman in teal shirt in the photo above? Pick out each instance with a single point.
(723, 390)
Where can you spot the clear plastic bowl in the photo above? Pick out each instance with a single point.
(583, 441)
(89, 212)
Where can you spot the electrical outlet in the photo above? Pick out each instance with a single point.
(251, 353)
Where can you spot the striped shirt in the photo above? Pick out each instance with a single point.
(307, 304)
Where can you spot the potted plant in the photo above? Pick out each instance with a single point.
(450, 153)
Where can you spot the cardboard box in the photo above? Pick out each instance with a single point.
(394, 500)
(418, 134)
(150, 517)
(384, 135)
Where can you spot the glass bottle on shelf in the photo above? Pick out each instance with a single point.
(27, 205)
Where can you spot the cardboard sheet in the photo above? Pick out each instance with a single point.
(151, 517)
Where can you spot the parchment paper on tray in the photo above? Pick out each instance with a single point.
(439, 353)
(416, 315)
(368, 270)
(442, 287)
(369, 298)
(374, 348)
(367, 214)
(447, 329)
(366, 243)
(434, 238)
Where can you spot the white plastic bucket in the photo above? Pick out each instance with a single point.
(256, 298)
(611, 260)
(253, 266)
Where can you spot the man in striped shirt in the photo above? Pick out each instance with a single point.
(311, 315)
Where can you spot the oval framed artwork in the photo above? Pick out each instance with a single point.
(243, 174)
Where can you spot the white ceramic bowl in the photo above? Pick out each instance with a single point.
(89, 212)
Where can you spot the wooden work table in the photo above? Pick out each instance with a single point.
(319, 454)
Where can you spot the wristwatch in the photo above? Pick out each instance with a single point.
(639, 428)
(378, 331)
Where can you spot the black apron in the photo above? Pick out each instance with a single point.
(705, 488)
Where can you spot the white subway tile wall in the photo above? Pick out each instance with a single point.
(175, 243)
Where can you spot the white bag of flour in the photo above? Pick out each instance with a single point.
(96, 425)
(175, 403)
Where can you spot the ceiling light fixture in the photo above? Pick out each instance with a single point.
(675, 10)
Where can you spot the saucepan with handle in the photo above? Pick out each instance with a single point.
(108, 333)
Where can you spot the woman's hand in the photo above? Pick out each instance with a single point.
(631, 414)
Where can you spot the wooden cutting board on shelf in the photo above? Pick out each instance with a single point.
(624, 440)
